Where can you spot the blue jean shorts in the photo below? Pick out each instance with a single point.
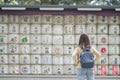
(85, 73)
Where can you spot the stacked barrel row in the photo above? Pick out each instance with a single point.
(43, 44)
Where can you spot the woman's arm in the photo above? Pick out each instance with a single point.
(76, 54)
(96, 53)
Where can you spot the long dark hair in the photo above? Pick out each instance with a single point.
(84, 41)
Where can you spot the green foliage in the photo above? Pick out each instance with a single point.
(82, 1)
(1, 1)
(58, 2)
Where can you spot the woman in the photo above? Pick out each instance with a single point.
(84, 72)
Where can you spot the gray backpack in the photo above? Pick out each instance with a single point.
(87, 58)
